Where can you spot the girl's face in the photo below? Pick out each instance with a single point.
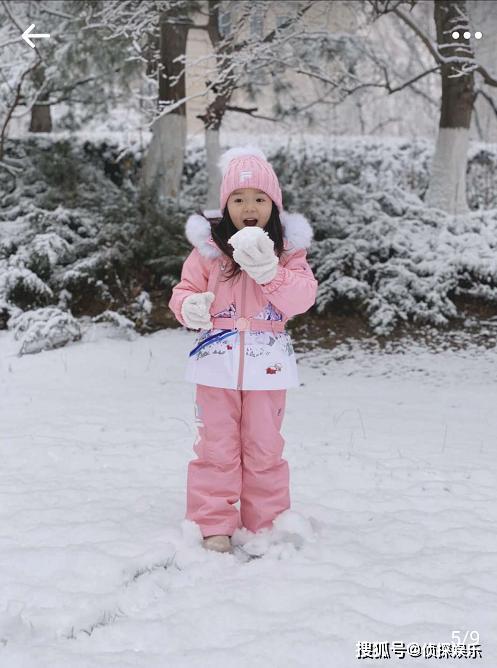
(249, 207)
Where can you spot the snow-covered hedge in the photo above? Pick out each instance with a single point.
(377, 249)
(44, 329)
(75, 235)
(395, 260)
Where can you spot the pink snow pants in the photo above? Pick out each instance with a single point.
(239, 458)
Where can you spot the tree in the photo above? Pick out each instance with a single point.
(238, 59)
(156, 31)
(241, 58)
(447, 189)
(455, 60)
(61, 69)
(163, 164)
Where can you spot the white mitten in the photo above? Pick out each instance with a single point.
(195, 310)
(254, 252)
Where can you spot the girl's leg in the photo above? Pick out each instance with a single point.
(214, 479)
(265, 474)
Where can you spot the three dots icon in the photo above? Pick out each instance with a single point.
(466, 34)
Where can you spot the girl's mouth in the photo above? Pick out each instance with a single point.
(250, 222)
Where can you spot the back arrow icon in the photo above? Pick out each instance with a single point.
(27, 34)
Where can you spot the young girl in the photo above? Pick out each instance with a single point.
(245, 277)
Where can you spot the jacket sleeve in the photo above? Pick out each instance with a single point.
(293, 290)
(194, 278)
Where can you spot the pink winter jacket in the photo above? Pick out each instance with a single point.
(241, 351)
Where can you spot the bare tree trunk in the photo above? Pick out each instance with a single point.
(213, 150)
(212, 120)
(11, 105)
(214, 113)
(41, 119)
(447, 188)
(163, 165)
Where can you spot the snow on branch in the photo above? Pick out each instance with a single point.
(468, 64)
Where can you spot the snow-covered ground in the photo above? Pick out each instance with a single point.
(392, 534)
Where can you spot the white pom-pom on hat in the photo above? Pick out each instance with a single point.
(238, 152)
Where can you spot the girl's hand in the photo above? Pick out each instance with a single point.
(254, 252)
(262, 269)
(195, 310)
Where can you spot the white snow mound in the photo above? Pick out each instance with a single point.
(248, 237)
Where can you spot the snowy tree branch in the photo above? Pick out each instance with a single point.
(250, 111)
(409, 82)
(54, 12)
(431, 46)
(468, 64)
(488, 98)
(14, 104)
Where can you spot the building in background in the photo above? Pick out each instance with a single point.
(410, 112)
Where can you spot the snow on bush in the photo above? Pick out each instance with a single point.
(143, 303)
(66, 225)
(409, 267)
(141, 308)
(377, 248)
(44, 329)
(21, 285)
(117, 326)
(74, 234)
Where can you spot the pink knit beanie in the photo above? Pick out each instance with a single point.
(247, 167)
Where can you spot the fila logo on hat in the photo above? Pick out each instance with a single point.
(245, 176)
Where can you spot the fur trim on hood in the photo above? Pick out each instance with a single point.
(297, 231)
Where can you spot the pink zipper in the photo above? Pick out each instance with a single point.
(241, 333)
(242, 337)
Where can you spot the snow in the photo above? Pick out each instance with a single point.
(44, 328)
(378, 249)
(391, 535)
(247, 238)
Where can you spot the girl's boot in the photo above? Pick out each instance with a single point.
(218, 543)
